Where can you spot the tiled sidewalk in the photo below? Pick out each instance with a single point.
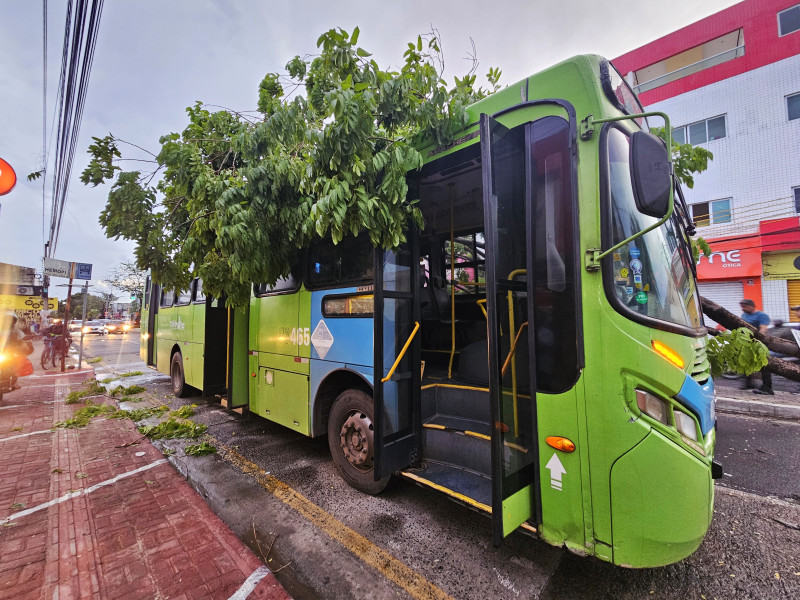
(98, 512)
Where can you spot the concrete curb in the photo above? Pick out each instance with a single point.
(758, 409)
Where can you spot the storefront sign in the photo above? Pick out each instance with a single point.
(785, 265)
(729, 263)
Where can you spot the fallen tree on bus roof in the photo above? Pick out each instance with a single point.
(235, 195)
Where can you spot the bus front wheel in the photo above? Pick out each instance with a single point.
(176, 373)
(351, 439)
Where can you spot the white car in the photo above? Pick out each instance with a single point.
(94, 327)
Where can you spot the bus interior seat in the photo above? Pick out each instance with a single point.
(473, 363)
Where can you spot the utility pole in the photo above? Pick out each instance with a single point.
(83, 321)
(65, 324)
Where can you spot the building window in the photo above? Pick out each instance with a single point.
(709, 54)
(700, 132)
(789, 20)
(711, 213)
(796, 192)
(793, 106)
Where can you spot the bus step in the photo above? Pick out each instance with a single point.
(458, 443)
(471, 489)
(455, 400)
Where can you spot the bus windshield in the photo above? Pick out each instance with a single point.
(652, 275)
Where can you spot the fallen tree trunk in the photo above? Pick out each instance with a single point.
(778, 366)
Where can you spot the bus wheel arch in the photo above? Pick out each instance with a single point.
(177, 374)
(351, 440)
(329, 390)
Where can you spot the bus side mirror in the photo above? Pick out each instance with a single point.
(650, 174)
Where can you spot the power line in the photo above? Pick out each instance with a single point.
(81, 28)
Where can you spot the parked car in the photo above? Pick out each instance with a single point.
(95, 327)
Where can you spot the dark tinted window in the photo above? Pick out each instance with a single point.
(793, 105)
(167, 297)
(555, 288)
(349, 262)
(789, 20)
(284, 284)
(147, 293)
(199, 295)
(184, 298)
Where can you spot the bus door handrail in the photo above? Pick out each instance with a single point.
(513, 349)
(511, 328)
(402, 353)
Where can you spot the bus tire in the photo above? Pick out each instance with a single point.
(179, 387)
(351, 441)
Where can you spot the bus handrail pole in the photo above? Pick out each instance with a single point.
(402, 353)
(452, 291)
(511, 328)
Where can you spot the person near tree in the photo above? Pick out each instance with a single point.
(760, 321)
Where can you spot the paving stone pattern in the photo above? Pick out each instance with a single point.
(146, 535)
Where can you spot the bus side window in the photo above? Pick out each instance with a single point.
(167, 298)
(198, 295)
(147, 293)
(184, 298)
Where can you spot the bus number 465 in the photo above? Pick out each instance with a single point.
(300, 336)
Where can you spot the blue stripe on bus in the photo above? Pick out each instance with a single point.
(699, 399)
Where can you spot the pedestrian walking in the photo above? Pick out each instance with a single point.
(760, 321)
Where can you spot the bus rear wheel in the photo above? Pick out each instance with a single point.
(351, 439)
(179, 387)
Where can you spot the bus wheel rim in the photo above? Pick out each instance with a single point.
(356, 437)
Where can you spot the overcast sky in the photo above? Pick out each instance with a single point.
(156, 57)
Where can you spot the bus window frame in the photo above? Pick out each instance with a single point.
(606, 235)
(329, 315)
(164, 295)
(339, 283)
(279, 292)
(147, 285)
(195, 299)
(608, 90)
(189, 292)
(471, 292)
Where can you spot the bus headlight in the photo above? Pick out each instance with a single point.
(651, 406)
(685, 425)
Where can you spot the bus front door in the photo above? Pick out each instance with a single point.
(512, 384)
(397, 358)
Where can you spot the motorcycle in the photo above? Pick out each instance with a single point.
(13, 354)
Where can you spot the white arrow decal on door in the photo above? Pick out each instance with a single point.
(556, 471)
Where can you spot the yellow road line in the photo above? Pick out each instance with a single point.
(394, 570)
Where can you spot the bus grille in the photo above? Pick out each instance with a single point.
(701, 368)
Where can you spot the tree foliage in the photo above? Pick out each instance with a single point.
(737, 351)
(238, 194)
(127, 277)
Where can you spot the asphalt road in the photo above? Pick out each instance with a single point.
(325, 540)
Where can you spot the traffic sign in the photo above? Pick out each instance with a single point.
(70, 270)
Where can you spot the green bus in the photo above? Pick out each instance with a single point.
(536, 353)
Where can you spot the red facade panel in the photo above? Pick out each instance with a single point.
(763, 46)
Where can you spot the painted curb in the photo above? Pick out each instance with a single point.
(758, 409)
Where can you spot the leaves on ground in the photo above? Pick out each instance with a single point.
(82, 417)
(199, 449)
(184, 412)
(172, 428)
(96, 359)
(132, 374)
(140, 414)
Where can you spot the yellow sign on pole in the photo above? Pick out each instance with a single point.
(26, 303)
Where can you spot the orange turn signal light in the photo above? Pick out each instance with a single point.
(668, 353)
(560, 443)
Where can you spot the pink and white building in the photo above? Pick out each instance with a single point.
(731, 83)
